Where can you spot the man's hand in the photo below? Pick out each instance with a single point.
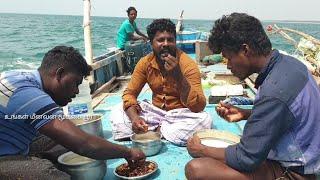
(73, 138)
(136, 156)
(171, 62)
(194, 147)
(230, 112)
(139, 125)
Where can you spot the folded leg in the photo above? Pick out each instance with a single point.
(180, 124)
(122, 126)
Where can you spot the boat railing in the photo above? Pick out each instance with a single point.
(307, 48)
(106, 59)
(106, 68)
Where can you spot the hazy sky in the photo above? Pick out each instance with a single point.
(307, 10)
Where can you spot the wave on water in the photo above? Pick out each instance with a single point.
(25, 64)
(26, 38)
(17, 63)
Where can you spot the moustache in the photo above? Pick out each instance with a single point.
(166, 51)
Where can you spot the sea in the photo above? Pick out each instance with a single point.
(25, 38)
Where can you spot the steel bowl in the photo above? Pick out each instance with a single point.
(136, 177)
(89, 124)
(150, 142)
(82, 168)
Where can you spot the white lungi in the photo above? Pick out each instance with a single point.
(177, 125)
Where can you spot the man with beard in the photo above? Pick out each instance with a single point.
(177, 96)
(30, 103)
(281, 136)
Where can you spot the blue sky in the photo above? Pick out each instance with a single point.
(304, 10)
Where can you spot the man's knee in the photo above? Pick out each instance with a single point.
(206, 120)
(193, 169)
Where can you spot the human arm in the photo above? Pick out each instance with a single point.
(232, 113)
(134, 37)
(129, 97)
(73, 138)
(196, 150)
(144, 37)
(129, 30)
(269, 120)
(188, 80)
(44, 115)
(138, 123)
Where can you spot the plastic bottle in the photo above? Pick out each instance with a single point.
(81, 104)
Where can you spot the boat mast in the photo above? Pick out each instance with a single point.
(179, 24)
(87, 36)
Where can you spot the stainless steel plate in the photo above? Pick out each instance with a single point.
(217, 138)
(136, 177)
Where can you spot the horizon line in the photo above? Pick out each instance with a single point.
(271, 20)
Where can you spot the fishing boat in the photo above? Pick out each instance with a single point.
(171, 158)
(307, 47)
(111, 74)
(113, 69)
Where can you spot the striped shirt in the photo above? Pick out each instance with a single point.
(24, 109)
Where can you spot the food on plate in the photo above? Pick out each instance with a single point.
(139, 170)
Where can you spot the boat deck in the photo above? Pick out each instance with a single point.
(171, 159)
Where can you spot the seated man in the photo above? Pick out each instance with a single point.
(281, 136)
(128, 28)
(30, 103)
(177, 100)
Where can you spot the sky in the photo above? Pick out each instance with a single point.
(295, 10)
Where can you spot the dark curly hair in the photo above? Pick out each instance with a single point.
(66, 57)
(231, 31)
(130, 9)
(161, 25)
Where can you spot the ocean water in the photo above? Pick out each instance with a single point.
(25, 38)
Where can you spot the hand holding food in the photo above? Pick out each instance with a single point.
(171, 62)
(139, 125)
(135, 156)
(229, 112)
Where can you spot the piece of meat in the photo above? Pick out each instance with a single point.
(132, 171)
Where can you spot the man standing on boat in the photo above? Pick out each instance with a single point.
(128, 28)
(281, 136)
(30, 102)
(177, 96)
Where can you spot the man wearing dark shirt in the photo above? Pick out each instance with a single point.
(280, 138)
